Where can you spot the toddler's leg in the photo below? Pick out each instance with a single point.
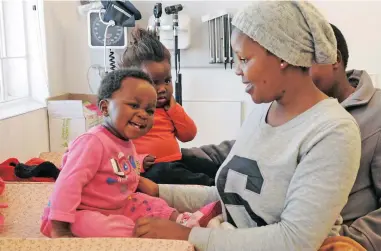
(200, 165)
(176, 173)
(95, 224)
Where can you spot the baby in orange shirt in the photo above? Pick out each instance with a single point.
(163, 162)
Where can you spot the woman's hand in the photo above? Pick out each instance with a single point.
(160, 229)
(148, 187)
(60, 230)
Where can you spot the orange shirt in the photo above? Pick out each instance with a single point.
(161, 140)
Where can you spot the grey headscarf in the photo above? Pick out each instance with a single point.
(293, 31)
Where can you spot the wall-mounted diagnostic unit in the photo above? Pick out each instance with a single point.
(219, 31)
(116, 36)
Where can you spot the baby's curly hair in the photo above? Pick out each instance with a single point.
(113, 81)
(144, 47)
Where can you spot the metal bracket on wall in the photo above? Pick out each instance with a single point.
(219, 32)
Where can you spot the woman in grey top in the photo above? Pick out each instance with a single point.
(296, 157)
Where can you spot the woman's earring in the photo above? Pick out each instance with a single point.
(281, 65)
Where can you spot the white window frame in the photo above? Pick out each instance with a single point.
(3, 55)
(11, 106)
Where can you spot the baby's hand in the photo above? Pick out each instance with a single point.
(171, 104)
(148, 161)
(148, 187)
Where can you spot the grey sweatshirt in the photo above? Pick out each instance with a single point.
(362, 214)
(283, 187)
(214, 153)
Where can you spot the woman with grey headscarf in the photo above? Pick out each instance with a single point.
(296, 157)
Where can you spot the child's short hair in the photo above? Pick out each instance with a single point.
(113, 81)
(144, 47)
(341, 44)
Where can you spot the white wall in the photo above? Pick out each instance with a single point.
(69, 58)
(205, 82)
(24, 136)
(68, 55)
(360, 22)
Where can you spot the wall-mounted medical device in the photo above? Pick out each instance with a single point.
(219, 31)
(116, 36)
(107, 27)
(164, 26)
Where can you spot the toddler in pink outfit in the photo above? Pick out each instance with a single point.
(95, 193)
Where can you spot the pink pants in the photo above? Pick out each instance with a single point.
(120, 223)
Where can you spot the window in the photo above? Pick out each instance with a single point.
(22, 68)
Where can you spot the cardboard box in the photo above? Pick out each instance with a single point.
(71, 115)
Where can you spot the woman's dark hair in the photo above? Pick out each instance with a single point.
(113, 81)
(144, 47)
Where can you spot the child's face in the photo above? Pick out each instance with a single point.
(130, 109)
(160, 73)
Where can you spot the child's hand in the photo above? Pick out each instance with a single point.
(60, 230)
(148, 161)
(171, 104)
(148, 187)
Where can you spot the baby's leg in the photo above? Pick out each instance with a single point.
(95, 224)
(142, 205)
(174, 216)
